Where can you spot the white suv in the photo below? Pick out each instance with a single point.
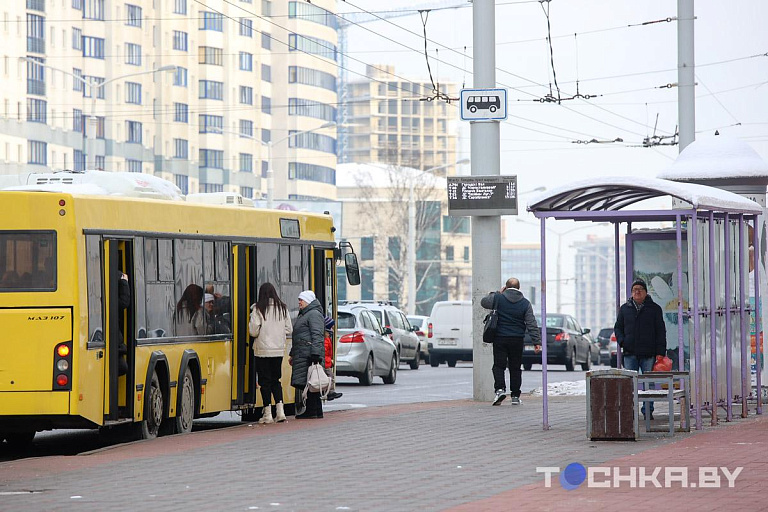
(403, 335)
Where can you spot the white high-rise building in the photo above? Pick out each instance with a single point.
(242, 74)
(595, 288)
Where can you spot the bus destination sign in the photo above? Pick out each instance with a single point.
(482, 195)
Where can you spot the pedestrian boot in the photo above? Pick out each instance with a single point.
(266, 417)
(280, 413)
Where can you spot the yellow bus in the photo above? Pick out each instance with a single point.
(62, 257)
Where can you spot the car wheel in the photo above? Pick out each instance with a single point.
(153, 410)
(392, 375)
(186, 410)
(414, 363)
(434, 362)
(426, 359)
(571, 362)
(527, 367)
(588, 364)
(366, 378)
(452, 363)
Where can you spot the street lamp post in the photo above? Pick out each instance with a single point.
(412, 234)
(94, 90)
(270, 169)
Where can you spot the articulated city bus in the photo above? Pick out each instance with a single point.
(66, 335)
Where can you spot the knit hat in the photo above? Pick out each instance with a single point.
(329, 323)
(307, 296)
(208, 298)
(640, 282)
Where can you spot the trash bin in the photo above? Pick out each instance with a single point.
(612, 405)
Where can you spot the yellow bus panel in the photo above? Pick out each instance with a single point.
(30, 403)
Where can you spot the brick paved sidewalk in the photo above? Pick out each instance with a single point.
(427, 456)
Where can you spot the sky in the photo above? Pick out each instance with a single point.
(605, 46)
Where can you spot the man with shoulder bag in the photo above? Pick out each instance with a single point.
(515, 318)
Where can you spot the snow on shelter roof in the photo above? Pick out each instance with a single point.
(612, 193)
(717, 158)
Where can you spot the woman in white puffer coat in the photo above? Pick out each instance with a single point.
(270, 325)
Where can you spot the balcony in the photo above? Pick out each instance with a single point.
(35, 44)
(36, 5)
(36, 87)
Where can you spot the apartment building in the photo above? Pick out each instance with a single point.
(595, 289)
(523, 261)
(199, 93)
(396, 121)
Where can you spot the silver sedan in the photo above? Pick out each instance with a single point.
(363, 349)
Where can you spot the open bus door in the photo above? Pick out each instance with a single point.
(120, 344)
(243, 380)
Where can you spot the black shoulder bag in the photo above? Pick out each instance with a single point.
(491, 322)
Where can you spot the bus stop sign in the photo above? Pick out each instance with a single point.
(483, 104)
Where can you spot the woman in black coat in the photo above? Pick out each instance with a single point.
(307, 347)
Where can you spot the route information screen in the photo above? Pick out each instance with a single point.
(482, 195)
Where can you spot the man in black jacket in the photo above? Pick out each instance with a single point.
(515, 318)
(640, 331)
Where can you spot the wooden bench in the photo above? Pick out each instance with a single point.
(668, 386)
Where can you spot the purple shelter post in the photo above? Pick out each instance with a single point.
(694, 229)
(544, 321)
(758, 319)
(728, 344)
(617, 263)
(712, 319)
(743, 283)
(680, 351)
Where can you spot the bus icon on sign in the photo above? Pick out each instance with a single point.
(491, 103)
(483, 104)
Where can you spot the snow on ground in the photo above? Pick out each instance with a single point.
(578, 388)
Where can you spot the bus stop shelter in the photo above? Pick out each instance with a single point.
(711, 227)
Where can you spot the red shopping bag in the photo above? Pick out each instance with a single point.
(662, 364)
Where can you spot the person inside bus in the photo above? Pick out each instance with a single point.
(307, 348)
(270, 325)
(187, 318)
(123, 303)
(220, 313)
(10, 279)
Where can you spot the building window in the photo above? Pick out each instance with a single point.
(311, 172)
(133, 54)
(315, 141)
(180, 113)
(246, 128)
(312, 45)
(77, 4)
(246, 95)
(132, 165)
(456, 225)
(182, 181)
(180, 149)
(246, 61)
(246, 27)
(310, 12)
(37, 110)
(212, 21)
(133, 131)
(180, 6)
(35, 76)
(266, 135)
(78, 160)
(246, 192)
(311, 108)
(180, 40)
(366, 283)
(212, 158)
(466, 253)
(211, 90)
(393, 245)
(100, 127)
(78, 120)
(266, 72)
(94, 83)
(264, 168)
(37, 152)
(366, 248)
(180, 76)
(93, 9)
(133, 93)
(246, 162)
(449, 253)
(313, 77)
(77, 39)
(100, 162)
(93, 47)
(266, 41)
(266, 105)
(266, 7)
(210, 55)
(133, 15)
(35, 33)
(208, 188)
(211, 124)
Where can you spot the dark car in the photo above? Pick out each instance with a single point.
(604, 337)
(567, 343)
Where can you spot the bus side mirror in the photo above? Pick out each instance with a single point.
(352, 268)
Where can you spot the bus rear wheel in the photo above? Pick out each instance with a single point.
(18, 441)
(186, 410)
(153, 410)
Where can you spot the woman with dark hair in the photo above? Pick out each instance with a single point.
(270, 326)
(189, 316)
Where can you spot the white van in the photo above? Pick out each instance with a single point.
(451, 332)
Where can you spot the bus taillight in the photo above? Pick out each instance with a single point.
(62, 367)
